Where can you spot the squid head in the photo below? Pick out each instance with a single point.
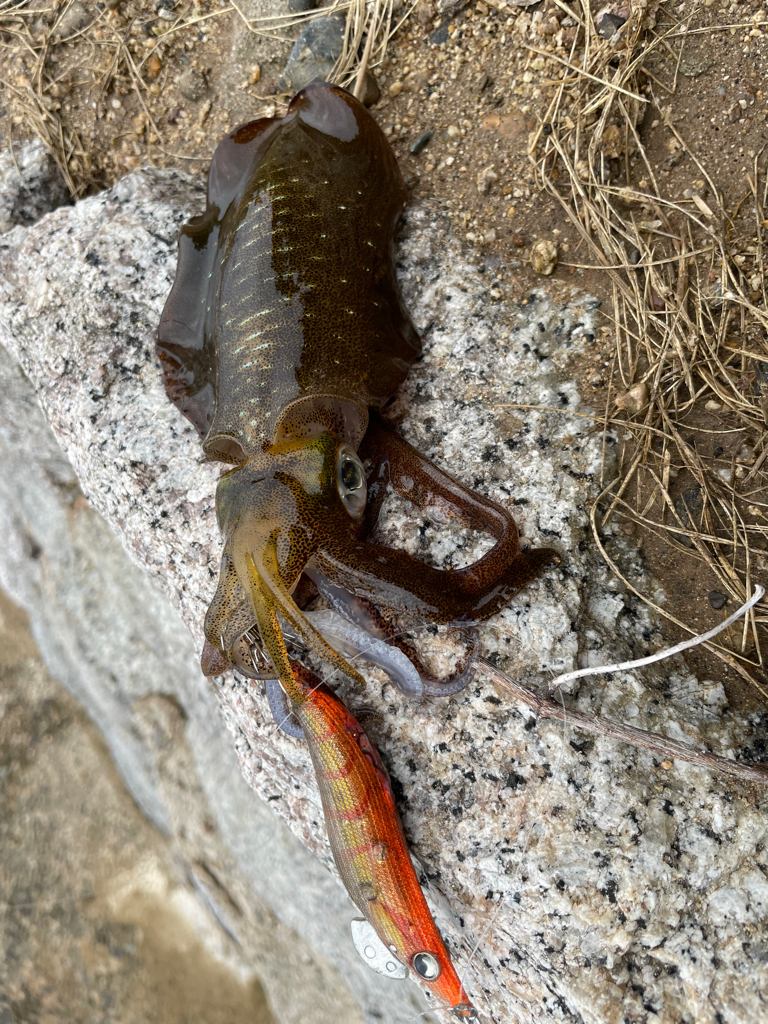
(275, 512)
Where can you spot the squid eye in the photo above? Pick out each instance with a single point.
(350, 480)
(426, 966)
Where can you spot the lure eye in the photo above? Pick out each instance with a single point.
(464, 1011)
(426, 966)
(350, 480)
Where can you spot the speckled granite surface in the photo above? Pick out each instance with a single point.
(596, 885)
(30, 184)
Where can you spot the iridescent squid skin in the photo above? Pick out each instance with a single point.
(368, 844)
(282, 339)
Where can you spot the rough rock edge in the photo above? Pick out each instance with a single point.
(30, 184)
(637, 894)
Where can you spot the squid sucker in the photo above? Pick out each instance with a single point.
(282, 339)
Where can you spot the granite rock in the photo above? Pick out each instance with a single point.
(192, 84)
(450, 8)
(574, 879)
(30, 184)
(114, 641)
(105, 917)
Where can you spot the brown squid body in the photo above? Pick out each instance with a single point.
(284, 334)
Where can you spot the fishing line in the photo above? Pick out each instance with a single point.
(668, 652)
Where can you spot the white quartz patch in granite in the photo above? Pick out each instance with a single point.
(578, 879)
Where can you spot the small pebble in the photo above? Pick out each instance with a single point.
(192, 84)
(610, 19)
(395, 89)
(450, 7)
(635, 399)
(371, 90)
(544, 257)
(314, 53)
(717, 600)
(424, 12)
(485, 178)
(154, 64)
(421, 143)
(298, 6)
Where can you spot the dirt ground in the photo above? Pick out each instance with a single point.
(122, 84)
(97, 920)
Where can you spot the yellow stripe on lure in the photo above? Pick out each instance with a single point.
(368, 844)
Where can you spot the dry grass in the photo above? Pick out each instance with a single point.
(35, 93)
(107, 55)
(690, 320)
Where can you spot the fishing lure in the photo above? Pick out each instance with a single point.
(282, 339)
(369, 847)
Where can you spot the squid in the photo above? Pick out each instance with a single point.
(283, 339)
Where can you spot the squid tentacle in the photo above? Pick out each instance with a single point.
(383, 576)
(270, 597)
(282, 710)
(266, 616)
(304, 628)
(461, 678)
(367, 617)
(355, 641)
